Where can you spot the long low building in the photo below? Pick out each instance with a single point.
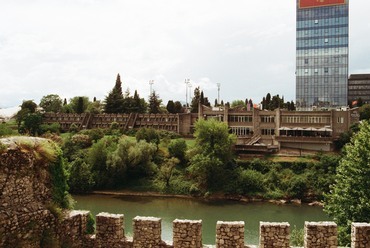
(257, 130)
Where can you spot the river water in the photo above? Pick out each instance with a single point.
(169, 209)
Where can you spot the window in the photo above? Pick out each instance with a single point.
(316, 70)
(305, 71)
(336, 60)
(337, 30)
(316, 21)
(326, 50)
(316, 60)
(340, 120)
(336, 40)
(326, 40)
(326, 69)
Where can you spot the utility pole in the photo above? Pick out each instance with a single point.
(218, 89)
(187, 82)
(151, 82)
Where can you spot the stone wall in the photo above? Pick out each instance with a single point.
(230, 234)
(320, 234)
(360, 235)
(274, 235)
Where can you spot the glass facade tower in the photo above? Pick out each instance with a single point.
(322, 54)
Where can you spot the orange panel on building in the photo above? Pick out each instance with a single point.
(319, 3)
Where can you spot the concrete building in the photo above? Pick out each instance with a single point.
(321, 54)
(257, 130)
(359, 87)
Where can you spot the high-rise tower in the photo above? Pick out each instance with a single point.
(321, 53)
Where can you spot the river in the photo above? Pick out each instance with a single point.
(210, 212)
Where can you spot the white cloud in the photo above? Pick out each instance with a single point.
(77, 47)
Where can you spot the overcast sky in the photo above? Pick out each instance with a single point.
(77, 47)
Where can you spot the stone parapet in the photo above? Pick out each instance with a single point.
(320, 234)
(360, 235)
(274, 234)
(147, 232)
(187, 233)
(230, 234)
(109, 230)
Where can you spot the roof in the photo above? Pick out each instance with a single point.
(359, 76)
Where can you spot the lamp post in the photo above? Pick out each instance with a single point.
(151, 82)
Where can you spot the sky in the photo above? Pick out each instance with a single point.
(77, 47)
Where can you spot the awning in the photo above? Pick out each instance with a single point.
(285, 129)
(325, 129)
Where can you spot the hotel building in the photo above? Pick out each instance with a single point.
(321, 54)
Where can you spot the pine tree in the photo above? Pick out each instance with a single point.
(154, 103)
(114, 100)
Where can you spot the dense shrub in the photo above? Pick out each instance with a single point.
(94, 134)
(177, 148)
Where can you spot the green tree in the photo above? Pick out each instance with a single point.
(365, 112)
(166, 170)
(80, 177)
(150, 135)
(196, 100)
(31, 124)
(131, 159)
(178, 107)
(114, 100)
(79, 104)
(212, 154)
(51, 103)
(154, 103)
(170, 107)
(348, 200)
(27, 107)
(177, 148)
(238, 104)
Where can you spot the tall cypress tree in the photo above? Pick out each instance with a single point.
(114, 100)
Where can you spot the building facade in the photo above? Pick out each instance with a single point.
(322, 54)
(359, 88)
(256, 130)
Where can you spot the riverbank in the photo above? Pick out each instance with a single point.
(208, 197)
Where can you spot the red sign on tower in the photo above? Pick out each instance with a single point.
(319, 3)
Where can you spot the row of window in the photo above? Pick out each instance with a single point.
(268, 131)
(242, 131)
(306, 119)
(268, 119)
(240, 118)
(323, 60)
(317, 32)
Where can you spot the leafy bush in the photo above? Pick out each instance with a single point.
(150, 135)
(5, 130)
(80, 177)
(90, 229)
(74, 128)
(51, 128)
(297, 237)
(251, 182)
(81, 140)
(177, 148)
(94, 134)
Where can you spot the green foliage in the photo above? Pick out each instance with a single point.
(80, 176)
(59, 179)
(297, 237)
(97, 159)
(365, 112)
(74, 128)
(212, 138)
(150, 135)
(90, 229)
(131, 158)
(31, 124)
(166, 170)
(51, 103)
(154, 103)
(51, 128)
(81, 140)
(238, 104)
(251, 182)
(177, 148)
(5, 130)
(3, 148)
(348, 200)
(94, 134)
(29, 105)
(114, 100)
(79, 104)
